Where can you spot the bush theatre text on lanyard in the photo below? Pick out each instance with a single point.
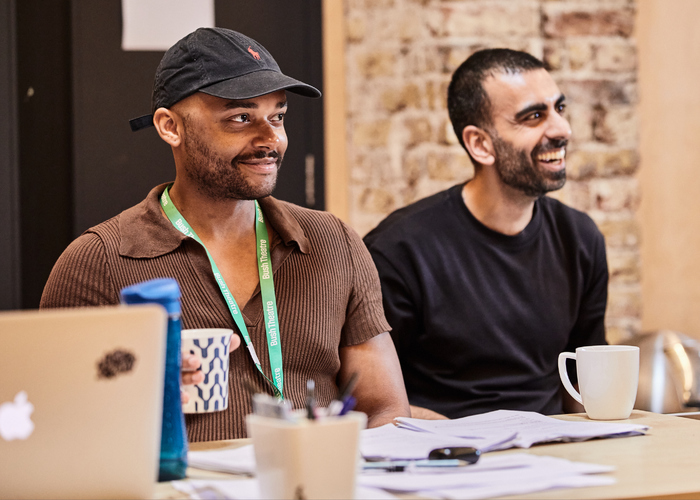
(267, 290)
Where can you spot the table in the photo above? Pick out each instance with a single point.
(663, 464)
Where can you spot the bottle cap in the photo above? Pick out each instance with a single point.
(163, 291)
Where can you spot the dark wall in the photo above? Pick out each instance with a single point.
(9, 208)
(45, 156)
(115, 168)
(76, 162)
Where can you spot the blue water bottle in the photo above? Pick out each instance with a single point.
(173, 440)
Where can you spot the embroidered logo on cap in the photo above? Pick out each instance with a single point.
(255, 54)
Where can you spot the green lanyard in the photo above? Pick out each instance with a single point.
(267, 290)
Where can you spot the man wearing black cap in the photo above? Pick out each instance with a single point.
(296, 284)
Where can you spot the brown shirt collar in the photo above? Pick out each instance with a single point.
(145, 233)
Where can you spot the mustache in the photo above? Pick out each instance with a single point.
(550, 145)
(258, 155)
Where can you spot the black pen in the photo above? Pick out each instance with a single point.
(310, 399)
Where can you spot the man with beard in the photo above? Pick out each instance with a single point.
(297, 284)
(486, 283)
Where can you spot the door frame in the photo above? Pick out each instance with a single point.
(337, 177)
(10, 260)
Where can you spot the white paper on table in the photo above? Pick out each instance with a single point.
(393, 442)
(158, 24)
(503, 489)
(235, 461)
(248, 489)
(530, 427)
(490, 472)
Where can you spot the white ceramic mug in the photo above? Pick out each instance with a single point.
(212, 346)
(607, 378)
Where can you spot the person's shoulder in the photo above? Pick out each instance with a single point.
(416, 218)
(569, 218)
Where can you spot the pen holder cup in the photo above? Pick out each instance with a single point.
(310, 459)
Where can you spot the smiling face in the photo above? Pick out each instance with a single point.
(529, 132)
(232, 149)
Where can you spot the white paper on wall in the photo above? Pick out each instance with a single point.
(158, 24)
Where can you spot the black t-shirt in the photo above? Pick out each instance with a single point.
(479, 317)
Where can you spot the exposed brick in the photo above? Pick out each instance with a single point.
(604, 92)
(412, 27)
(372, 134)
(620, 331)
(494, 19)
(414, 167)
(620, 233)
(615, 194)
(554, 56)
(418, 61)
(436, 94)
(574, 194)
(566, 22)
(623, 266)
(624, 302)
(370, 168)
(377, 200)
(373, 4)
(580, 54)
(582, 164)
(447, 134)
(376, 63)
(449, 165)
(616, 57)
(355, 29)
(408, 96)
(580, 118)
(418, 131)
(615, 125)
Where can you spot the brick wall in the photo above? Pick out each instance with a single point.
(400, 56)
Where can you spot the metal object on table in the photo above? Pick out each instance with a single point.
(669, 372)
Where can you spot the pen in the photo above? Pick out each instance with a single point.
(336, 407)
(348, 405)
(401, 465)
(310, 399)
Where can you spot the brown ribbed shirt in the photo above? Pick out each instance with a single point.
(326, 286)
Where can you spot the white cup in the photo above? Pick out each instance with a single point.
(307, 459)
(607, 378)
(212, 346)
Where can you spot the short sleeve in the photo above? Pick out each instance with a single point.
(365, 314)
(80, 277)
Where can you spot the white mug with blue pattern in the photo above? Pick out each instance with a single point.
(212, 346)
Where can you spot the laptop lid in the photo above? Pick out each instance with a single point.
(81, 394)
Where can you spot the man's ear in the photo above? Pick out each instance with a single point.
(169, 126)
(479, 145)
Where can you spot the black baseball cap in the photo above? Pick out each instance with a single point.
(218, 62)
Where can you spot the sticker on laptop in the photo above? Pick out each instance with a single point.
(115, 363)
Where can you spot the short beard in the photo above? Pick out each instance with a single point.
(220, 179)
(519, 170)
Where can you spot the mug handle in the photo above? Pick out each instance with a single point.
(564, 376)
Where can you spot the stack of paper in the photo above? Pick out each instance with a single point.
(492, 476)
(524, 427)
(394, 443)
(414, 439)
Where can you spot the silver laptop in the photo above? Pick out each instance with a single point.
(81, 395)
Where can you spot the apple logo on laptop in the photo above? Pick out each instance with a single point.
(15, 421)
